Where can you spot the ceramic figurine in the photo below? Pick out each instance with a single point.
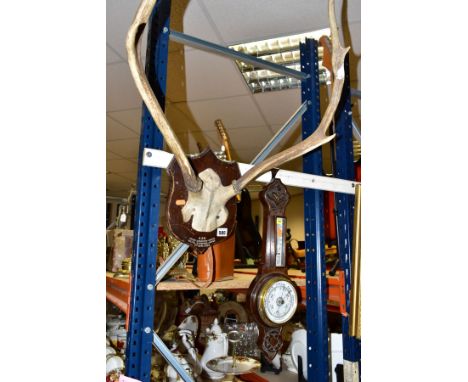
(217, 346)
(187, 331)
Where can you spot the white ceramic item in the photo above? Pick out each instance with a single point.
(172, 375)
(190, 323)
(114, 323)
(226, 365)
(113, 363)
(288, 362)
(217, 346)
(192, 353)
(113, 334)
(276, 362)
(299, 348)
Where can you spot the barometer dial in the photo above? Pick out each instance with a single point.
(278, 301)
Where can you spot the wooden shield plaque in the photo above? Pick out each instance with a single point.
(178, 195)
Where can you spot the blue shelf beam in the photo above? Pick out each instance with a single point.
(141, 320)
(316, 304)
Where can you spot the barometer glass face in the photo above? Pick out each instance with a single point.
(280, 301)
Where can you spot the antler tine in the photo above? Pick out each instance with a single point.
(192, 182)
(319, 137)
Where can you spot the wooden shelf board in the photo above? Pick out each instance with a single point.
(241, 281)
(118, 289)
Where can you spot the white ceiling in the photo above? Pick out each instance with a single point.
(203, 87)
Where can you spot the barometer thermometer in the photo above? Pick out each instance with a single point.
(272, 295)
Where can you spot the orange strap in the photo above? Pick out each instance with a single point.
(209, 253)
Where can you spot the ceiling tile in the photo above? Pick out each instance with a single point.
(176, 84)
(119, 16)
(127, 148)
(258, 137)
(272, 18)
(189, 140)
(234, 111)
(130, 118)
(212, 76)
(143, 47)
(278, 106)
(249, 137)
(110, 155)
(121, 165)
(115, 130)
(246, 155)
(121, 92)
(196, 23)
(247, 149)
(206, 139)
(180, 118)
(354, 39)
(111, 56)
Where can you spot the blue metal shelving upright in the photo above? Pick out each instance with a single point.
(317, 326)
(316, 284)
(141, 320)
(344, 205)
(140, 331)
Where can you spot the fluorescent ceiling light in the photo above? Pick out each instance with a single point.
(283, 51)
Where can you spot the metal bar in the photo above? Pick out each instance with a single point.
(161, 159)
(166, 353)
(280, 134)
(356, 131)
(170, 262)
(231, 53)
(355, 93)
(316, 304)
(141, 319)
(344, 206)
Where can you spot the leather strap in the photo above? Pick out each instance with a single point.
(209, 269)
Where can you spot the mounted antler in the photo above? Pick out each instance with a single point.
(133, 36)
(319, 137)
(207, 198)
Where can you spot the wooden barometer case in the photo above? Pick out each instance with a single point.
(272, 295)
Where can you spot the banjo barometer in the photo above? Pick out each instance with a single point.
(272, 295)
